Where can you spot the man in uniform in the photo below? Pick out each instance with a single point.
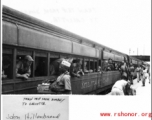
(63, 84)
(23, 68)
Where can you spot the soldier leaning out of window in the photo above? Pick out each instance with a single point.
(63, 83)
(23, 68)
(75, 69)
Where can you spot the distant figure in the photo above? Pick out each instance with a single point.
(116, 66)
(23, 68)
(148, 72)
(144, 75)
(122, 87)
(107, 65)
(111, 65)
(138, 70)
(124, 71)
(131, 70)
(62, 84)
(99, 69)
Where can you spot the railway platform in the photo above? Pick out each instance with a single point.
(141, 90)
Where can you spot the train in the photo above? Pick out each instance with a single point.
(25, 35)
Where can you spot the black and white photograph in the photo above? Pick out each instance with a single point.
(55, 48)
(89, 50)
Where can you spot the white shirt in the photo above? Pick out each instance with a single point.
(120, 84)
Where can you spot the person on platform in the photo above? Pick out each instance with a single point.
(138, 70)
(144, 75)
(122, 87)
(23, 68)
(131, 70)
(63, 84)
(148, 73)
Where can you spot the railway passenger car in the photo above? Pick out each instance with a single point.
(25, 35)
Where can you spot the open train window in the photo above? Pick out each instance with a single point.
(91, 65)
(96, 66)
(99, 66)
(77, 60)
(86, 65)
(54, 64)
(7, 64)
(76, 67)
(105, 65)
(117, 65)
(21, 54)
(40, 64)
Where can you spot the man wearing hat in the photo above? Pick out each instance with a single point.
(23, 68)
(62, 84)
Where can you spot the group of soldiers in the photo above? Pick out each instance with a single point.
(65, 68)
(128, 70)
(128, 73)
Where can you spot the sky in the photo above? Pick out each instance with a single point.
(124, 25)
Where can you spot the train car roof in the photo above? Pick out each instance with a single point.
(40, 23)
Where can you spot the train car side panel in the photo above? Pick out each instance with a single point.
(107, 55)
(108, 78)
(9, 33)
(80, 49)
(32, 38)
(89, 83)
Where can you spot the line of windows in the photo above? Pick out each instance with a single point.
(42, 62)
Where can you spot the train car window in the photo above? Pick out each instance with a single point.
(76, 67)
(40, 64)
(96, 66)
(91, 66)
(7, 64)
(86, 66)
(118, 65)
(99, 65)
(21, 66)
(54, 64)
(111, 64)
(105, 65)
